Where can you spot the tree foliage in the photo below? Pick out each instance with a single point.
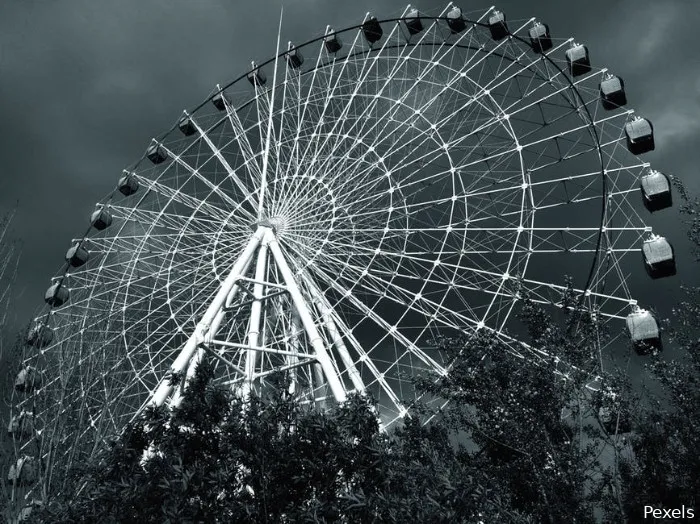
(499, 452)
(523, 438)
(665, 469)
(520, 440)
(272, 460)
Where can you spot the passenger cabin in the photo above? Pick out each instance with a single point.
(656, 191)
(77, 255)
(156, 153)
(24, 471)
(659, 259)
(414, 25)
(57, 295)
(21, 425)
(578, 60)
(220, 101)
(186, 126)
(332, 41)
(128, 184)
(570, 413)
(101, 219)
(40, 335)
(612, 92)
(644, 331)
(640, 136)
(615, 419)
(372, 30)
(27, 380)
(540, 39)
(256, 76)
(25, 514)
(27, 510)
(294, 57)
(566, 414)
(498, 26)
(455, 22)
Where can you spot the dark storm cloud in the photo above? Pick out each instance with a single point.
(85, 84)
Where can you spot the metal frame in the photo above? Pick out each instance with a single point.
(264, 246)
(276, 271)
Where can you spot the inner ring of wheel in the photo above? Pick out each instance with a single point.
(586, 118)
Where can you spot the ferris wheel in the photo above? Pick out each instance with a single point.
(331, 211)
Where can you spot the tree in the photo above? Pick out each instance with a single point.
(664, 471)
(510, 408)
(500, 452)
(521, 440)
(10, 353)
(272, 460)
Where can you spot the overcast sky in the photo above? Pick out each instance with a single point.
(84, 85)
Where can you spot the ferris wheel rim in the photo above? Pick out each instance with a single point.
(591, 126)
(591, 123)
(543, 56)
(364, 51)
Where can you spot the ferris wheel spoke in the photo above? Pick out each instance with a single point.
(495, 120)
(572, 239)
(241, 137)
(317, 157)
(484, 92)
(161, 243)
(301, 107)
(416, 271)
(246, 195)
(455, 319)
(557, 155)
(451, 319)
(263, 112)
(186, 200)
(363, 357)
(489, 278)
(172, 220)
(364, 72)
(369, 107)
(149, 266)
(528, 101)
(269, 133)
(390, 331)
(225, 198)
(146, 299)
(283, 157)
(332, 83)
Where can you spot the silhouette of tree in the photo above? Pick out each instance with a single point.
(664, 471)
(273, 460)
(520, 440)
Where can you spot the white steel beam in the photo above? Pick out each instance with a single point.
(307, 321)
(255, 318)
(341, 348)
(320, 385)
(292, 361)
(270, 127)
(176, 399)
(262, 349)
(182, 361)
(326, 312)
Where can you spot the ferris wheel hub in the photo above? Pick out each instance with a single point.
(277, 224)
